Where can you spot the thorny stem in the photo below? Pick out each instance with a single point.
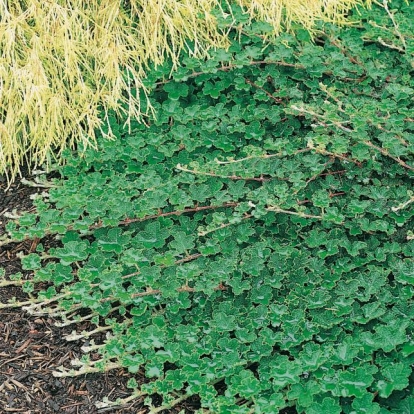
(222, 226)
(269, 208)
(181, 289)
(323, 117)
(53, 312)
(325, 89)
(367, 143)
(45, 184)
(387, 154)
(314, 177)
(185, 396)
(5, 241)
(91, 348)
(274, 98)
(403, 205)
(169, 214)
(75, 336)
(262, 156)
(84, 370)
(66, 321)
(151, 291)
(293, 213)
(340, 156)
(31, 304)
(351, 58)
(5, 283)
(333, 173)
(94, 285)
(188, 258)
(230, 66)
(396, 27)
(101, 405)
(381, 41)
(225, 68)
(230, 177)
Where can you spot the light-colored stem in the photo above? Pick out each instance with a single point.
(4, 283)
(64, 372)
(293, 213)
(403, 205)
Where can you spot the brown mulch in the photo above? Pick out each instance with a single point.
(31, 347)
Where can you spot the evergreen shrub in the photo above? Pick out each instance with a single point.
(251, 246)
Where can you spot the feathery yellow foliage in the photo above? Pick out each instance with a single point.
(282, 13)
(64, 62)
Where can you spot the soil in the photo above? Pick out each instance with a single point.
(32, 347)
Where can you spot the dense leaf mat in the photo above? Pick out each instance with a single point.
(253, 244)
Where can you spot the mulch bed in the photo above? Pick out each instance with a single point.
(31, 347)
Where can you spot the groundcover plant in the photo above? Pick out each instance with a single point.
(252, 244)
(64, 63)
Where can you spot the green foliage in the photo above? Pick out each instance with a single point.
(62, 63)
(252, 244)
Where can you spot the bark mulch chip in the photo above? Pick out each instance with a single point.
(31, 347)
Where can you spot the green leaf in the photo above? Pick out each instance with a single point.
(72, 251)
(27, 219)
(406, 406)
(389, 336)
(395, 377)
(312, 357)
(109, 280)
(153, 370)
(346, 351)
(365, 405)
(182, 243)
(28, 287)
(269, 403)
(31, 262)
(153, 236)
(223, 322)
(114, 240)
(198, 286)
(285, 372)
(62, 274)
(327, 406)
(333, 214)
(321, 199)
(176, 90)
(354, 383)
(303, 393)
(358, 206)
(245, 384)
(213, 89)
(262, 295)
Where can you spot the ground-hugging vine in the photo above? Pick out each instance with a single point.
(251, 245)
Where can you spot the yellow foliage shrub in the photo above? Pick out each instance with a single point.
(64, 63)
